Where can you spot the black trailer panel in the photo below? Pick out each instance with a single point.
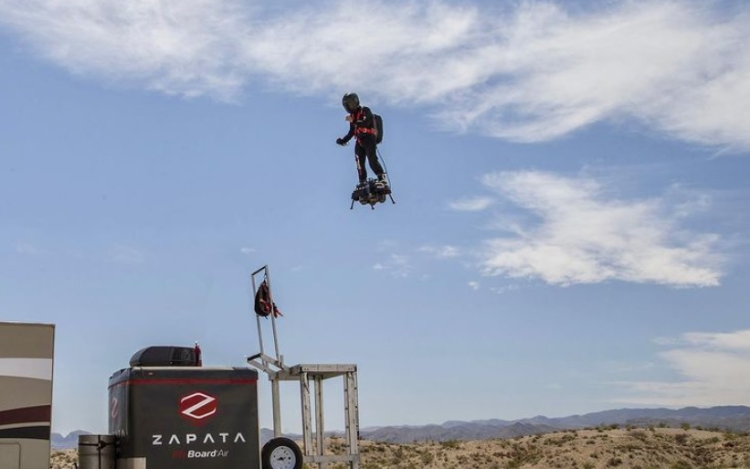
(185, 417)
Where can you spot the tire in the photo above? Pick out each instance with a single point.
(281, 453)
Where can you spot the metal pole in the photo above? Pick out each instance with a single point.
(257, 318)
(304, 383)
(276, 406)
(273, 316)
(319, 423)
(351, 411)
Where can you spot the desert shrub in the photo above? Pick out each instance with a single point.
(451, 444)
(681, 465)
(522, 456)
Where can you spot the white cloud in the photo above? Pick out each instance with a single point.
(247, 251)
(181, 48)
(714, 369)
(397, 265)
(123, 254)
(504, 289)
(581, 235)
(474, 285)
(528, 72)
(441, 252)
(735, 341)
(473, 204)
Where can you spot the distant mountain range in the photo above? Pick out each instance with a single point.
(734, 418)
(67, 442)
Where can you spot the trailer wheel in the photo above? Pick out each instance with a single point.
(281, 453)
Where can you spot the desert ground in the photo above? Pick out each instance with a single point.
(597, 448)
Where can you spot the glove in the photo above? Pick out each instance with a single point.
(341, 141)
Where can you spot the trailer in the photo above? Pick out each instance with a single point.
(167, 411)
(26, 364)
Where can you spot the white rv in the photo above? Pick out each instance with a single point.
(26, 360)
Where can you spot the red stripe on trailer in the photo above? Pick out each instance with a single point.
(173, 381)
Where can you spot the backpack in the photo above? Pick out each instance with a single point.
(263, 304)
(378, 121)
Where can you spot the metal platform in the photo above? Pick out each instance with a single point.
(305, 375)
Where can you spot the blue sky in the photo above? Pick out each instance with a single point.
(571, 226)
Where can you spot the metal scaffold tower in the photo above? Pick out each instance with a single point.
(313, 446)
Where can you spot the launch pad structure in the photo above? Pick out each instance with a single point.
(313, 430)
